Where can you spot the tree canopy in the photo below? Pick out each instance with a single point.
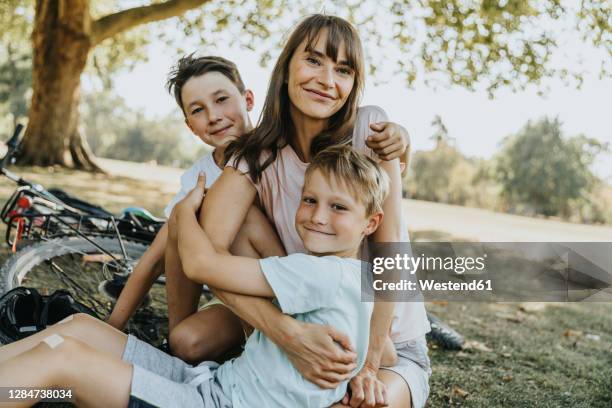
(471, 43)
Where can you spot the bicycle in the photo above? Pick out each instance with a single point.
(62, 242)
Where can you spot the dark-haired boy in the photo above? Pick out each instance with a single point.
(215, 104)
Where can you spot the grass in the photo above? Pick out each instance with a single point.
(555, 357)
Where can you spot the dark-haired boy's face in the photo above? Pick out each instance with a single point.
(215, 110)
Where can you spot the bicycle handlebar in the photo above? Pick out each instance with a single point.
(12, 144)
(13, 141)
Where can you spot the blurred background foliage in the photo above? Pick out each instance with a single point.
(538, 171)
(133, 136)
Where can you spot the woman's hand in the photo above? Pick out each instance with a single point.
(367, 391)
(323, 355)
(390, 140)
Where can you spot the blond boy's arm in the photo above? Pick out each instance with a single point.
(202, 263)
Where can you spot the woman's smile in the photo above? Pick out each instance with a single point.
(320, 95)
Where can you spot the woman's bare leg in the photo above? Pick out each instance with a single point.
(89, 330)
(211, 334)
(257, 238)
(96, 378)
(398, 393)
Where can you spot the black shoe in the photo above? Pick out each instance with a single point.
(112, 289)
(23, 312)
(20, 310)
(443, 335)
(59, 305)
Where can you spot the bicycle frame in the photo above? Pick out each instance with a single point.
(33, 213)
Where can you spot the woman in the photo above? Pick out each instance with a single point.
(312, 102)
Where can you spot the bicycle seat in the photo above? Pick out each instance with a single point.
(141, 213)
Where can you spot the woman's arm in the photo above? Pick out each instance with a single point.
(365, 386)
(389, 231)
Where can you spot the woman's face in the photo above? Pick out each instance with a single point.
(319, 86)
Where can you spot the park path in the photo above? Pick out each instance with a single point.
(488, 226)
(464, 222)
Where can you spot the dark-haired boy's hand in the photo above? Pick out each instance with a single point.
(390, 140)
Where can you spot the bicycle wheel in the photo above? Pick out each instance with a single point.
(75, 264)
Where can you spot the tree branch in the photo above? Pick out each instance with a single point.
(113, 24)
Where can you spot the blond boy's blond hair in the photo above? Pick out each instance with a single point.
(365, 180)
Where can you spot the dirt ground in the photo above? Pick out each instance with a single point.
(540, 355)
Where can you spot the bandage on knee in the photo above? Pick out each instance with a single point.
(53, 340)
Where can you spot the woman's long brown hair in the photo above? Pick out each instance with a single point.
(275, 128)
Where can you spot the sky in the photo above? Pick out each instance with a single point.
(477, 122)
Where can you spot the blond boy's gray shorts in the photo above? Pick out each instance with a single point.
(414, 367)
(160, 380)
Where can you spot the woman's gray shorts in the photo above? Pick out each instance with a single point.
(160, 380)
(414, 367)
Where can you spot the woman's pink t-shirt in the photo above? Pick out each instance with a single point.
(279, 192)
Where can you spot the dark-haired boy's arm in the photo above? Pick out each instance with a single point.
(148, 269)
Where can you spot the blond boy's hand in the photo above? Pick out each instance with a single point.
(367, 391)
(389, 141)
(193, 200)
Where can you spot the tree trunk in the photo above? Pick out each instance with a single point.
(61, 42)
(62, 37)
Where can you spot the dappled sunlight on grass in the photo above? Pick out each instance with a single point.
(111, 192)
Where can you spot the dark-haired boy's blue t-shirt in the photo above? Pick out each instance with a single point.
(322, 290)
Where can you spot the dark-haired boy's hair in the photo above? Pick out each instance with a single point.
(189, 66)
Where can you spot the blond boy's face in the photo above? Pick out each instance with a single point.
(215, 110)
(329, 220)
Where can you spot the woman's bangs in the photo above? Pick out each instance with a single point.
(337, 36)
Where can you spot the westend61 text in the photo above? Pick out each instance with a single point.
(430, 284)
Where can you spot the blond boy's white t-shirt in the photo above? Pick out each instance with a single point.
(279, 191)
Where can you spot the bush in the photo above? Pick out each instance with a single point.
(541, 171)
